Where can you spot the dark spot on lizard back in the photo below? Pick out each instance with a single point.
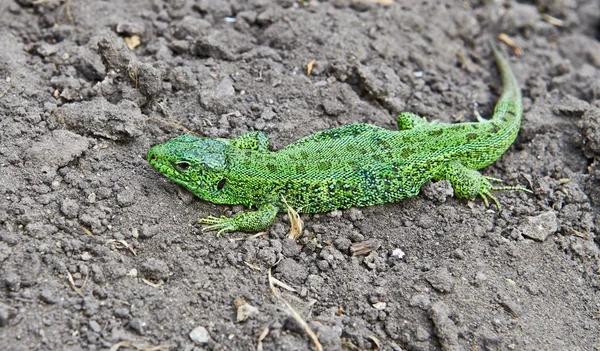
(471, 136)
(462, 127)
(357, 129)
(304, 155)
(368, 177)
(406, 152)
(300, 169)
(272, 167)
(362, 150)
(324, 165)
(325, 135)
(435, 132)
(384, 157)
(381, 142)
(378, 157)
(354, 164)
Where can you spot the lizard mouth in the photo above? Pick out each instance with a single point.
(157, 161)
(158, 157)
(152, 157)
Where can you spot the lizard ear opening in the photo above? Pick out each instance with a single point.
(221, 184)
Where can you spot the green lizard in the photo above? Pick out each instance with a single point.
(352, 165)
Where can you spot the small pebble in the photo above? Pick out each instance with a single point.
(540, 227)
(48, 297)
(95, 326)
(6, 314)
(200, 335)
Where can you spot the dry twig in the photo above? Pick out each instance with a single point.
(255, 267)
(364, 247)
(86, 231)
(142, 347)
(508, 40)
(154, 285)
(282, 284)
(261, 337)
(122, 244)
(553, 20)
(309, 67)
(296, 223)
(253, 236)
(79, 291)
(297, 317)
(380, 2)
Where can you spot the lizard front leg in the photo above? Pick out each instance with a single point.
(469, 183)
(245, 222)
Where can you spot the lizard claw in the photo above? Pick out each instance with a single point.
(519, 188)
(221, 224)
(497, 180)
(212, 220)
(485, 194)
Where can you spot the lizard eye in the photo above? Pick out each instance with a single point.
(221, 184)
(182, 166)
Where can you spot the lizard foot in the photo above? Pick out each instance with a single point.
(469, 183)
(253, 221)
(221, 224)
(486, 191)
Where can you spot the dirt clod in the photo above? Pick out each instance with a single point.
(540, 227)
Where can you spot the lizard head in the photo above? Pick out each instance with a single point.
(198, 164)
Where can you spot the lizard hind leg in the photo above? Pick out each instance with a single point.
(409, 120)
(469, 183)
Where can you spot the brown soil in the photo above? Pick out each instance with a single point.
(97, 249)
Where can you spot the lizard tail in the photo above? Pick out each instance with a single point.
(510, 86)
(509, 108)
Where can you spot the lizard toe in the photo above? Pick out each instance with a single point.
(211, 220)
(219, 227)
(497, 180)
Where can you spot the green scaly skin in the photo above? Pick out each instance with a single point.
(353, 165)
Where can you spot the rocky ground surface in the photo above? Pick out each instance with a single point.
(99, 252)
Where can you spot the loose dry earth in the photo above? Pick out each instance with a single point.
(97, 250)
